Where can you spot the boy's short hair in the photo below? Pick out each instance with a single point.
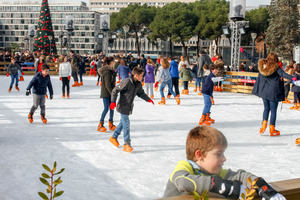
(212, 67)
(45, 66)
(203, 138)
(137, 70)
(183, 66)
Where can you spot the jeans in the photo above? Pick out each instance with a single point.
(185, 85)
(80, 77)
(38, 100)
(297, 97)
(286, 89)
(163, 85)
(125, 125)
(75, 76)
(270, 106)
(198, 82)
(175, 83)
(207, 104)
(13, 77)
(106, 103)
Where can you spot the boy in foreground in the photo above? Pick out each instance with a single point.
(203, 172)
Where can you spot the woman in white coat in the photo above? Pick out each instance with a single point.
(65, 71)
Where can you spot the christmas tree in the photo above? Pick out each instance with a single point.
(44, 39)
(283, 31)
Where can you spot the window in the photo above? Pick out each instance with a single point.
(86, 40)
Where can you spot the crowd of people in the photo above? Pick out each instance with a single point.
(128, 77)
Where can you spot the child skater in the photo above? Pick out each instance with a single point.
(65, 71)
(207, 91)
(13, 70)
(203, 170)
(296, 89)
(40, 82)
(149, 77)
(165, 78)
(186, 76)
(128, 89)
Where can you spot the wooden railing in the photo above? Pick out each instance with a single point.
(236, 82)
(242, 82)
(288, 188)
(28, 68)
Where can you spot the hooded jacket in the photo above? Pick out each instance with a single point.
(269, 84)
(40, 84)
(189, 178)
(128, 89)
(108, 81)
(13, 68)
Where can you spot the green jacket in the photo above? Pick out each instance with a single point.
(186, 74)
(188, 179)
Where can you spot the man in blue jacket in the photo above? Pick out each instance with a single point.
(40, 82)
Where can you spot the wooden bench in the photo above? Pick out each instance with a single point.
(289, 188)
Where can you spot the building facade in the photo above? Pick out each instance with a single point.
(16, 18)
(110, 6)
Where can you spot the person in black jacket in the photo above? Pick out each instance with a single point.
(13, 70)
(270, 87)
(128, 89)
(108, 75)
(40, 82)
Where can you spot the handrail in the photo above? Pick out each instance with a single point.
(288, 188)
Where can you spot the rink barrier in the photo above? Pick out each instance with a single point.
(289, 188)
(242, 82)
(28, 68)
(235, 82)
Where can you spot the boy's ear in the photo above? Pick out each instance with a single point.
(199, 155)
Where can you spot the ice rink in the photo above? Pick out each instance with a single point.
(97, 170)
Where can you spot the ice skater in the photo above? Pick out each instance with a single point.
(40, 82)
(13, 71)
(128, 89)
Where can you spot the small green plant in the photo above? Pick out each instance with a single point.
(51, 187)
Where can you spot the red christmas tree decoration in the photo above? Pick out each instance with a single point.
(45, 31)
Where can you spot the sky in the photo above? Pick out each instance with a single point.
(95, 169)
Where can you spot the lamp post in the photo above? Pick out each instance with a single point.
(61, 35)
(253, 36)
(50, 42)
(26, 39)
(113, 37)
(126, 29)
(100, 37)
(69, 26)
(223, 37)
(31, 33)
(142, 45)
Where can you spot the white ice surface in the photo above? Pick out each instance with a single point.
(97, 170)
